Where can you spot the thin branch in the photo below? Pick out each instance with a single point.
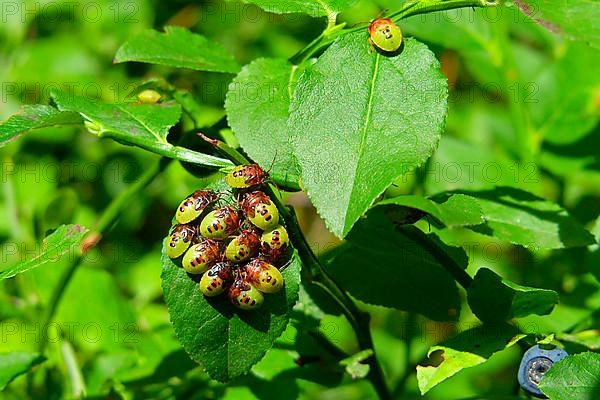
(313, 272)
(408, 9)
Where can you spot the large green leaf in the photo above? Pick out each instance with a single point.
(34, 117)
(451, 210)
(54, 246)
(574, 377)
(179, 48)
(567, 91)
(384, 265)
(576, 19)
(15, 364)
(226, 341)
(257, 110)
(142, 125)
(359, 119)
(314, 8)
(493, 298)
(467, 349)
(523, 218)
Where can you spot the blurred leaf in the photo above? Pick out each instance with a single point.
(473, 166)
(467, 349)
(589, 338)
(95, 312)
(226, 341)
(493, 298)
(177, 47)
(360, 119)
(315, 8)
(523, 218)
(574, 377)
(143, 125)
(354, 364)
(15, 364)
(383, 265)
(55, 245)
(565, 105)
(61, 208)
(466, 29)
(34, 117)
(257, 110)
(592, 257)
(451, 210)
(576, 19)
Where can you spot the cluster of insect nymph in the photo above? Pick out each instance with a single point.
(233, 239)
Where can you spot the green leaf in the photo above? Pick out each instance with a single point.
(383, 265)
(576, 19)
(567, 109)
(493, 298)
(15, 364)
(354, 364)
(141, 125)
(34, 117)
(467, 165)
(451, 210)
(589, 338)
(179, 48)
(55, 245)
(467, 349)
(257, 110)
(360, 119)
(226, 341)
(314, 8)
(523, 218)
(574, 377)
(592, 257)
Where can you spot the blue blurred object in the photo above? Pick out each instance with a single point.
(534, 365)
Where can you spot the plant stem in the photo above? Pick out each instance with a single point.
(507, 70)
(417, 7)
(73, 370)
(459, 274)
(314, 273)
(408, 9)
(409, 367)
(289, 183)
(110, 214)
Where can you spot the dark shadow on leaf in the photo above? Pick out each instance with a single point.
(585, 147)
(571, 233)
(176, 363)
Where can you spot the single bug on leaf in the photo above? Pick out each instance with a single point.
(246, 176)
(200, 257)
(193, 205)
(385, 35)
(149, 96)
(213, 282)
(219, 224)
(243, 246)
(181, 238)
(244, 295)
(260, 210)
(264, 276)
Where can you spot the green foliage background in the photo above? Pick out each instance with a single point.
(515, 183)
